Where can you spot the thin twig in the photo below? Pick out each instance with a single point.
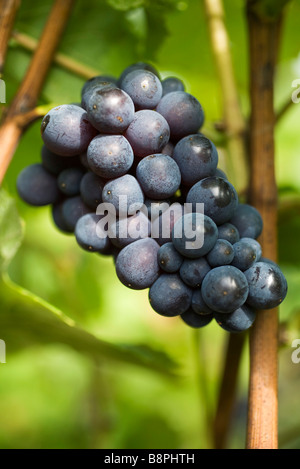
(234, 122)
(228, 387)
(8, 11)
(263, 388)
(284, 110)
(64, 61)
(20, 112)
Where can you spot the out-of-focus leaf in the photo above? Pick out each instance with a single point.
(11, 229)
(26, 320)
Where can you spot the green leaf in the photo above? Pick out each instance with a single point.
(11, 230)
(26, 320)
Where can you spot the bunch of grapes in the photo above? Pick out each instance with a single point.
(129, 173)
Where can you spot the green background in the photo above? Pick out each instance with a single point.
(142, 384)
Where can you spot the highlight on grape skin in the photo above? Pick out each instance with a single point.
(131, 174)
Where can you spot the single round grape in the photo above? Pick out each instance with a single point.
(156, 207)
(197, 158)
(196, 320)
(93, 88)
(169, 296)
(194, 271)
(96, 81)
(55, 164)
(194, 235)
(172, 84)
(229, 233)
(159, 176)
(244, 255)
(91, 188)
(162, 226)
(248, 221)
(168, 149)
(67, 131)
(59, 220)
(148, 133)
(183, 113)
(198, 304)
(110, 110)
(219, 197)
(268, 261)
(239, 321)
(255, 244)
(169, 259)
(267, 286)
(69, 181)
(128, 230)
(123, 193)
(219, 173)
(138, 66)
(110, 156)
(221, 254)
(37, 187)
(73, 209)
(83, 160)
(137, 265)
(87, 234)
(144, 88)
(225, 289)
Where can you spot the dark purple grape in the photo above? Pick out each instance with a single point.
(83, 160)
(221, 254)
(59, 220)
(128, 230)
(196, 321)
(138, 66)
(144, 88)
(110, 110)
(244, 255)
(55, 164)
(239, 321)
(168, 149)
(159, 176)
(172, 84)
(73, 209)
(67, 131)
(267, 286)
(198, 304)
(225, 289)
(110, 156)
(194, 271)
(162, 226)
(156, 208)
(183, 113)
(169, 259)
(194, 235)
(90, 236)
(248, 221)
(219, 197)
(220, 174)
(197, 158)
(255, 244)
(91, 188)
(229, 233)
(69, 181)
(95, 87)
(137, 265)
(169, 296)
(124, 193)
(37, 187)
(97, 81)
(148, 133)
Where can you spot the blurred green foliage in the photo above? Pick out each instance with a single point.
(86, 386)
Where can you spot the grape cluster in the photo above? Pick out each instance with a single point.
(129, 172)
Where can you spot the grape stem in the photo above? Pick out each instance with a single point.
(8, 11)
(64, 61)
(234, 124)
(264, 39)
(18, 115)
